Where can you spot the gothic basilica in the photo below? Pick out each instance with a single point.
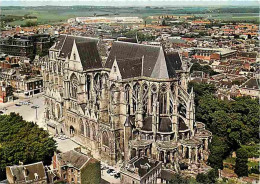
(133, 102)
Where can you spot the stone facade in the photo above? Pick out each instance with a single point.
(136, 103)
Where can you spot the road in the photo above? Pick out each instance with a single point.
(26, 111)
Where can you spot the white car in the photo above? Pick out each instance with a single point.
(112, 173)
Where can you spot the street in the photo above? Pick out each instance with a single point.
(26, 111)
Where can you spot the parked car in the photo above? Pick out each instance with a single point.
(113, 173)
(18, 105)
(117, 175)
(110, 170)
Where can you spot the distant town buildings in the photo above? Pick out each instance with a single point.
(95, 20)
(26, 46)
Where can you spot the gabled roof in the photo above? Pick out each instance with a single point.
(65, 42)
(145, 165)
(155, 63)
(89, 55)
(74, 158)
(130, 67)
(18, 172)
(252, 83)
(125, 50)
(173, 62)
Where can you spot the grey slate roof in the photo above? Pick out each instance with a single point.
(155, 63)
(124, 50)
(173, 62)
(74, 158)
(89, 55)
(130, 67)
(18, 171)
(142, 162)
(65, 43)
(251, 83)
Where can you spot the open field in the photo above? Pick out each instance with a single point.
(59, 14)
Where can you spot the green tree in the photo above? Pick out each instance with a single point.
(219, 149)
(213, 175)
(241, 168)
(178, 179)
(206, 69)
(234, 124)
(23, 141)
(202, 178)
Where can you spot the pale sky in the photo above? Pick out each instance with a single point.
(130, 2)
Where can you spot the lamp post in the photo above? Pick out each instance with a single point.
(35, 107)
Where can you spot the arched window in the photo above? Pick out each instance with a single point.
(172, 97)
(136, 96)
(145, 98)
(88, 86)
(54, 67)
(97, 89)
(74, 56)
(82, 128)
(105, 139)
(93, 132)
(163, 100)
(153, 96)
(127, 98)
(58, 111)
(113, 90)
(53, 108)
(87, 130)
(74, 86)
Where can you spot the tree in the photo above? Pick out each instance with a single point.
(23, 141)
(202, 178)
(213, 175)
(178, 179)
(234, 124)
(241, 168)
(219, 149)
(206, 69)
